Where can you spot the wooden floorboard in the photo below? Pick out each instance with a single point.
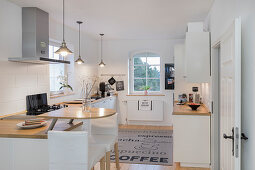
(145, 127)
(125, 166)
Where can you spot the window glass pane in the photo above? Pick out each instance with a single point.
(51, 51)
(56, 56)
(153, 60)
(139, 84)
(153, 71)
(154, 84)
(140, 61)
(140, 71)
(55, 70)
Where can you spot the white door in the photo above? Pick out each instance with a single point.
(230, 98)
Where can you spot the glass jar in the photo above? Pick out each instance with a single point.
(86, 104)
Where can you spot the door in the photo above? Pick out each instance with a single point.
(230, 98)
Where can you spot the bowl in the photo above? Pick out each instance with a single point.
(194, 106)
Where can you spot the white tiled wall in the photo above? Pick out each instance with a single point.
(17, 80)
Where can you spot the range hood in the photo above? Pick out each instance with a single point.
(35, 37)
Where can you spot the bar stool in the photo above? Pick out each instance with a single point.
(71, 150)
(105, 131)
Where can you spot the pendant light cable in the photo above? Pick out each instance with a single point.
(79, 39)
(63, 20)
(102, 46)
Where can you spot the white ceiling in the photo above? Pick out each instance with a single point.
(127, 19)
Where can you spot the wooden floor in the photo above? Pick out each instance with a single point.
(125, 166)
(143, 127)
(148, 167)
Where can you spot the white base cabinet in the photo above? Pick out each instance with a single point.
(107, 103)
(24, 154)
(191, 140)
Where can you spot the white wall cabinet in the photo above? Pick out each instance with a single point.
(197, 57)
(191, 140)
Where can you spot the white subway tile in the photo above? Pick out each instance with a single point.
(26, 81)
(7, 81)
(12, 68)
(11, 94)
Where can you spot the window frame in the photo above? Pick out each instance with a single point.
(131, 77)
(56, 44)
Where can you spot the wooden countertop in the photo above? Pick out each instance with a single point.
(8, 129)
(77, 102)
(78, 113)
(186, 110)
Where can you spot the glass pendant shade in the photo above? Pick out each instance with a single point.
(63, 49)
(79, 60)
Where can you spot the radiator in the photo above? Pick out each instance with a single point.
(156, 113)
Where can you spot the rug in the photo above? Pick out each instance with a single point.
(145, 147)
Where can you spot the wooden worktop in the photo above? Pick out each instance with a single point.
(8, 129)
(78, 113)
(74, 102)
(186, 110)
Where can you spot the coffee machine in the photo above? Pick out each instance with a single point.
(102, 88)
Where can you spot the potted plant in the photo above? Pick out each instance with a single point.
(146, 88)
(63, 81)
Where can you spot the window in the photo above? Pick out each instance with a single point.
(55, 70)
(145, 72)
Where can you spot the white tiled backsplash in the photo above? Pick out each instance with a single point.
(17, 80)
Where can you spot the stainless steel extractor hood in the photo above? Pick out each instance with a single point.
(35, 37)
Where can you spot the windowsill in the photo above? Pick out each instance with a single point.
(145, 95)
(60, 95)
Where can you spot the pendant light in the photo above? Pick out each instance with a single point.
(79, 60)
(63, 50)
(101, 64)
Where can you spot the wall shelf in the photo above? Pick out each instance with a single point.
(113, 75)
(145, 95)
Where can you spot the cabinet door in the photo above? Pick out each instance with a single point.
(112, 103)
(197, 56)
(191, 139)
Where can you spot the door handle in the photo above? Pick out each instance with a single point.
(228, 137)
(232, 138)
(243, 136)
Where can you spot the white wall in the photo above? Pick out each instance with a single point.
(221, 16)
(116, 54)
(18, 79)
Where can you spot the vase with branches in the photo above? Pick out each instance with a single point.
(88, 85)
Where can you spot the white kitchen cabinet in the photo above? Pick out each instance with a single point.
(24, 154)
(197, 57)
(108, 103)
(191, 140)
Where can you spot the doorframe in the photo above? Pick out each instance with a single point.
(215, 91)
(215, 116)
